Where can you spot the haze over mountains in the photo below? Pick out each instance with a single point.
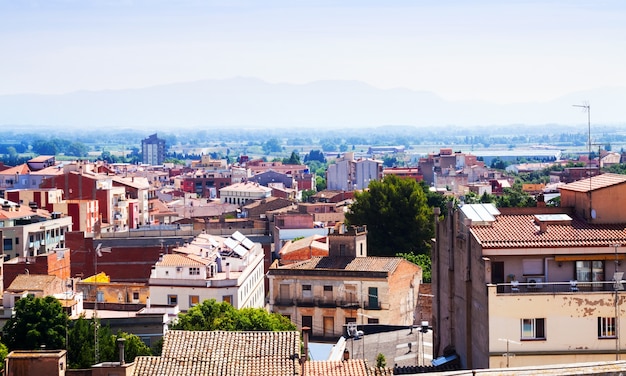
(250, 102)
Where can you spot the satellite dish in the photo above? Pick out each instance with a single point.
(617, 277)
(593, 213)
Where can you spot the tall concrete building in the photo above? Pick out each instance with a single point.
(153, 150)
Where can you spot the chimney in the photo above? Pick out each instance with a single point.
(228, 270)
(543, 227)
(120, 346)
(148, 302)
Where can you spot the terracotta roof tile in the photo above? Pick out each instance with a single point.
(192, 353)
(595, 182)
(350, 367)
(521, 231)
(176, 259)
(371, 264)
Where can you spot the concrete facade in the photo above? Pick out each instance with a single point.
(519, 280)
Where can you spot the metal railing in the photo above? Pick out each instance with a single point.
(559, 287)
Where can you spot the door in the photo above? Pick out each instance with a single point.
(329, 326)
(497, 274)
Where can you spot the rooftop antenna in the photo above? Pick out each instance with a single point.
(587, 108)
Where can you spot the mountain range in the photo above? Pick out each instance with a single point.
(250, 102)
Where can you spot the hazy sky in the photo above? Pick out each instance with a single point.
(496, 50)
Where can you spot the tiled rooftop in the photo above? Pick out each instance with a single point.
(179, 260)
(350, 367)
(368, 264)
(595, 182)
(24, 282)
(521, 231)
(191, 353)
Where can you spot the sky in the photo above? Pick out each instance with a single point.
(491, 50)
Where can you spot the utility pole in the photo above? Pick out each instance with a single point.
(586, 107)
(97, 253)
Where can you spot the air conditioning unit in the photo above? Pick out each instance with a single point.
(179, 269)
(534, 282)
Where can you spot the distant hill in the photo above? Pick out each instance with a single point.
(249, 102)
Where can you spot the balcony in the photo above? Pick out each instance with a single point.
(557, 287)
(283, 302)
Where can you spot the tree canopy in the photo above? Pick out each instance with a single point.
(37, 322)
(211, 315)
(80, 349)
(397, 216)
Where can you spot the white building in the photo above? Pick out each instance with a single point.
(242, 193)
(348, 174)
(210, 267)
(27, 232)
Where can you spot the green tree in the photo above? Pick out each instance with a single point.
(272, 146)
(515, 198)
(211, 315)
(80, 353)
(133, 347)
(77, 149)
(397, 216)
(3, 354)
(293, 159)
(381, 362)
(320, 183)
(315, 155)
(306, 194)
(37, 322)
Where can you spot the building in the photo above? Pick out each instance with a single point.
(349, 174)
(243, 193)
(225, 269)
(224, 353)
(153, 150)
(536, 282)
(36, 362)
(26, 232)
(326, 293)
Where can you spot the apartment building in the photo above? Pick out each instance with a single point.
(210, 267)
(533, 286)
(348, 173)
(326, 293)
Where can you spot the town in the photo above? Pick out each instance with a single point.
(367, 260)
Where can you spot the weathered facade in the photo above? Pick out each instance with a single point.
(534, 282)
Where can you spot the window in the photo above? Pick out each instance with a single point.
(372, 320)
(328, 288)
(606, 327)
(590, 271)
(533, 329)
(193, 300)
(8, 244)
(194, 271)
(372, 293)
(342, 249)
(172, 299)
(135, 295)
(306, 291)
(307, 321)
(228, 299)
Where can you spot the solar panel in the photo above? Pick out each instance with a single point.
(248, 243)
(231, 243)
(240, 250)
(238, 236)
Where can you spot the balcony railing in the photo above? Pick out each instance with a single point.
(559, 287)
